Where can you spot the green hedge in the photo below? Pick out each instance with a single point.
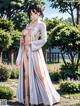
(70, 87)
(6, 92)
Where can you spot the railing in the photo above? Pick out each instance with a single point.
(52, 57)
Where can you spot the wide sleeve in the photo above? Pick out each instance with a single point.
(37, 44)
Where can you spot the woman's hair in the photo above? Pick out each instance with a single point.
(35, 8)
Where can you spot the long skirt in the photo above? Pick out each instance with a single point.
(34, 82)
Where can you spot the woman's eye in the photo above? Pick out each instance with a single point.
(35, 12)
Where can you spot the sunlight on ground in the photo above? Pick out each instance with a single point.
(53, 67)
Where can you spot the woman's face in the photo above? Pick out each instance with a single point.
(34, 15)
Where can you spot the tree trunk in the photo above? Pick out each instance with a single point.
(11, 56)
(72, 15)
(63, 58)
(45, 54)
(49, 54)
(78, 15)
(72, 62)
(0, 55)
(73, 18)
(77, 64)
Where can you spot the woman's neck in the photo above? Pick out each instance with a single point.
(36, 21)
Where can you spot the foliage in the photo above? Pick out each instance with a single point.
(50, 25)
(6, 27)
(14, 73)
(6, 92)
(9, 36)
(6, 24)
(69, 72)
(4, 72)
(16, 39)
(67, 38)
(55, 76)
(21, 20)
(70, 87)
(5, 39)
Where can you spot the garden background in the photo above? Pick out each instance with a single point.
(61, 52)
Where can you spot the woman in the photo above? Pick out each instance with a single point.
(34, 86)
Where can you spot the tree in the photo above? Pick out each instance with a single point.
(50, 24)
(9, 37)
(20, 20)
(15, 34)
(5, 37)
(67, 38)
(5, 41)
(68, 7)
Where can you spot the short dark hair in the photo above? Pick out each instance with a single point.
(34, 7)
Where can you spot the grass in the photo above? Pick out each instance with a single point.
(71, 96)
(53, 67)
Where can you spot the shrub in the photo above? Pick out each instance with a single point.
(4, 72)
(68, 71)
(55, 76)
(6, 92)
(14, 73)
(70, 87)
